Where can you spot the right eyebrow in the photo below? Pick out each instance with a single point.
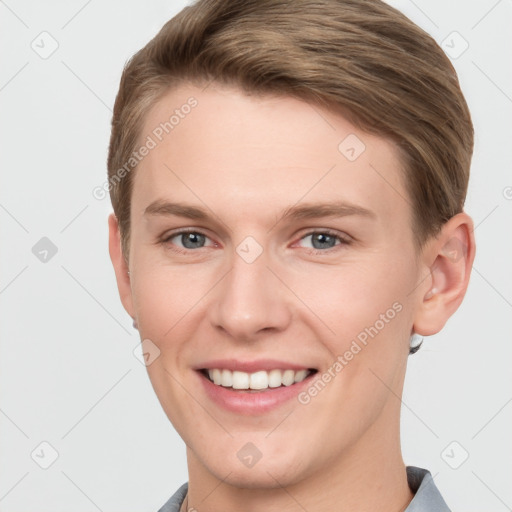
(160, 207)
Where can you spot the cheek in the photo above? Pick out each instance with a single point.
(167, 297)
(357, 301)
(169, 304)
(364, 317)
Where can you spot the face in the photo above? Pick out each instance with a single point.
(271, 242)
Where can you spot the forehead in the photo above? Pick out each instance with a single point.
(248, 154)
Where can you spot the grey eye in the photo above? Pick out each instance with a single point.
(322, 240)
(192, 240)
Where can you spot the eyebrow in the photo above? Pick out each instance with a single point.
(294, 212)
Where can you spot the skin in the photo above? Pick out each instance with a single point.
(245, 159)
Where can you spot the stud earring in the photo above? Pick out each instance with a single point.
(135, 326)
(415, 343)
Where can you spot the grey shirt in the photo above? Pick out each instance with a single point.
(426, 495)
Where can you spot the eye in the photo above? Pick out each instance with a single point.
(322, 241)
(187, 240)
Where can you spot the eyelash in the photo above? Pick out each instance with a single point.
(344, 240)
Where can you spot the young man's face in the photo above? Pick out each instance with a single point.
(253, 285)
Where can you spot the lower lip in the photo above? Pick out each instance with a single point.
(251, 402)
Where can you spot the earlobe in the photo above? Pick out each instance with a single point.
(120, 264)
(449, 258)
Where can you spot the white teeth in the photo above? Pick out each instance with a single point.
(274, 378)
(288, 377)
(227, 379)
(300, 375)
(240, 380)
(217, 376)
(257, 380)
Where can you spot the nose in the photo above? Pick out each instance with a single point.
(250, 300)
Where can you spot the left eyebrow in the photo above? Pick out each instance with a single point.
(331, 209)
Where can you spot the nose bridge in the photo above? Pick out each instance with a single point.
(249, 299)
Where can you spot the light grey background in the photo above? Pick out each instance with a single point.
(68, 375)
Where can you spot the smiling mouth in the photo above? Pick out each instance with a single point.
(257, 381)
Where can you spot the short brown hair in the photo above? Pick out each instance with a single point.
(363, 57)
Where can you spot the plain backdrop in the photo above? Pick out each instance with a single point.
(74, 397)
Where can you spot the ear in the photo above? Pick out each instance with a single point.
(449, 259)
(120, 265)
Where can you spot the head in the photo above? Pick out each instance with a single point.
(317, 154)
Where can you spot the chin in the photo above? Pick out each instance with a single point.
(258, 478)
(264, 474)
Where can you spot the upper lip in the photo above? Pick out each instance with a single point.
(250, 366)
